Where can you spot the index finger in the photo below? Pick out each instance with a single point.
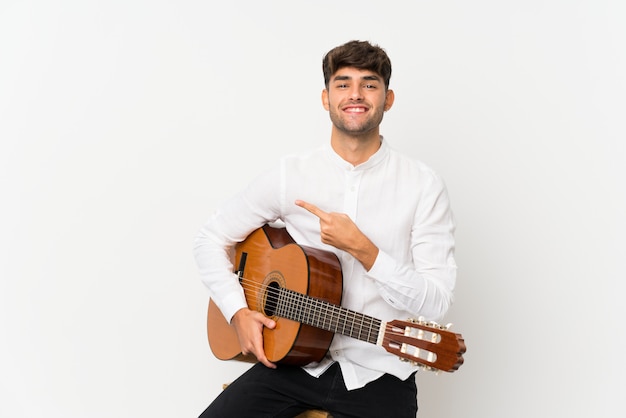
(311, 208)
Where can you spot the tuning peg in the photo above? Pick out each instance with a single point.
(429, 368)
(422, 321)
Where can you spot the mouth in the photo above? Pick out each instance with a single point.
(355, 109)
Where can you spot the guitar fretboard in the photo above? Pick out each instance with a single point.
(321, 314)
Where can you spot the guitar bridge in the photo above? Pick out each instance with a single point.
(242, 266)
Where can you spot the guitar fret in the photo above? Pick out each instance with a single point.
(337, 311)
(330, 314)
(317, 314)
(369, 333)
(351, 334)
(361, 328)
(281, 308)
(310, 312)
(313, 314)
(303, 309)
(321, 314)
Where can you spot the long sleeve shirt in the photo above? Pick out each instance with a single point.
(399, 203)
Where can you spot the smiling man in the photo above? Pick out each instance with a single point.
(356, 100)
(385, 216)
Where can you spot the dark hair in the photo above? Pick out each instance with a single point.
(358, 54)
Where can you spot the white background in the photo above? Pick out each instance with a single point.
(123, 123)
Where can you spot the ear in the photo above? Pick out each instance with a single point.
(325, 99)
(389, 99)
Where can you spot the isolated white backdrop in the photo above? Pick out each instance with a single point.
(124, 123)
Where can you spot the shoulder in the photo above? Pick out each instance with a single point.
(413, 167)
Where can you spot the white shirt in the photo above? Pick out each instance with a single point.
(400, 204)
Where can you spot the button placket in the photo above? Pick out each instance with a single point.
(353, 182)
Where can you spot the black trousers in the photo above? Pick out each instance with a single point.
(287, 391)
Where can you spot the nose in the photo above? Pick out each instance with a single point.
(356, 93)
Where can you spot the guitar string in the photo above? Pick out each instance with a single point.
(304, 308)
(316, 312)
(308, 306)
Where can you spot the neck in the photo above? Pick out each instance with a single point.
(355, 149)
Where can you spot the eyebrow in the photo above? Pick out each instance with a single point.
(372, 77)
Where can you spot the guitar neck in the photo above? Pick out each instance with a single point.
(327, 316)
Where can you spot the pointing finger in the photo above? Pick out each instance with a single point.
(311, 208)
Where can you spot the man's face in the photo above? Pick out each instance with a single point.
(356, 100)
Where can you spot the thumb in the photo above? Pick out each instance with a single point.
(269, 323)
(264, 320)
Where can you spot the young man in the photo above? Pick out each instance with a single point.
(388, 220)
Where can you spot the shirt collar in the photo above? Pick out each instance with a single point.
(376, 158)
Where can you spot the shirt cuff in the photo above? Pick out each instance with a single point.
(232, 303)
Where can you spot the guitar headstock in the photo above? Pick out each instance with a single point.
(424, 343)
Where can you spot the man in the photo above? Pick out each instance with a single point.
(385, 216)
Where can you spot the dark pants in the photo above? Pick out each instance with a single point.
(287, 391)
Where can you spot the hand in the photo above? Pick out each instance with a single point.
(338, 230)
(249, 326)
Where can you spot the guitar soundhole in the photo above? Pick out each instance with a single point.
(271, 298)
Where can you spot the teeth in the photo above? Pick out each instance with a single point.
(356, 110)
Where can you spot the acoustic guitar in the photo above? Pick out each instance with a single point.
(300, 288)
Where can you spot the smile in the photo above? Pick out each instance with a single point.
(355, 109)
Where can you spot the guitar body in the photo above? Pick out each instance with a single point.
(272, 260)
